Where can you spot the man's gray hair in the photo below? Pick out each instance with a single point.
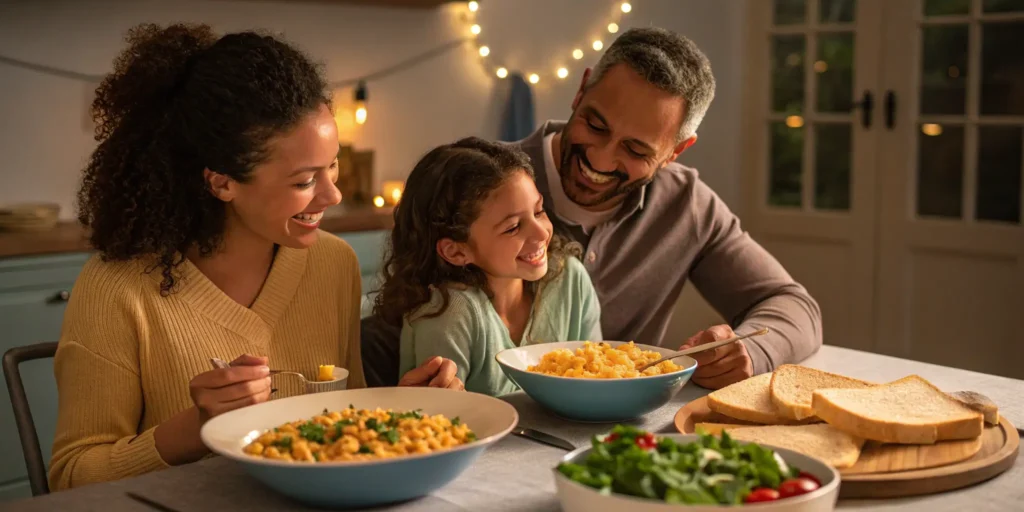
(669, 62)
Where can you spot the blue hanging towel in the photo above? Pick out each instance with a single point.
(518, 119)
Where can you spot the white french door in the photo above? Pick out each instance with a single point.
(904, 225)
(951, 260)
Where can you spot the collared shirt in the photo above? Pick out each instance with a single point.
(673, 231)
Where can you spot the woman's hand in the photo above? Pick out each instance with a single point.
(245, 382)
(436, 372)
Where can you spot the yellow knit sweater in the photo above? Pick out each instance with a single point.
(127, 354)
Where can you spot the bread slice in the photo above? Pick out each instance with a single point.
(747, 400)
(821, 441)
(909, 411)
(980, 403)
(792, 387)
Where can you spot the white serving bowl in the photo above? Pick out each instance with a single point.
(576, 497)
(363, 483)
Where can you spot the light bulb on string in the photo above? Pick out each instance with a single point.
(626, 7)
(534, 78)
(484, 51)
(613, 27)
(360, 98)
(598, 45)
(502, 72)
(475, 29)
(474, 6)
(577, 54)
(562, 72)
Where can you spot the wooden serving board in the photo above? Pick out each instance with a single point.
(891, 470)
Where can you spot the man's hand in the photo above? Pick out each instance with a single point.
(717, 368)
(436, 372)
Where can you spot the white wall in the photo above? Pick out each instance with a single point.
(46, 136)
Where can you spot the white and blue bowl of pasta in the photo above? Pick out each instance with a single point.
(357, 484)
(591, 399)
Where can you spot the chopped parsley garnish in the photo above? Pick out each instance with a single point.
(470, 436)
(285, 442)
(316, 456)
(411, 414)
(312, 432)
(365, 449)
(456, 421)
(391, 436)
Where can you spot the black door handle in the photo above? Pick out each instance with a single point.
(866, 105)
(890, 109)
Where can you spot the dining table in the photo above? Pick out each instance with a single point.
(516, 473)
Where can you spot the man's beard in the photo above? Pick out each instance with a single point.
(571, 152)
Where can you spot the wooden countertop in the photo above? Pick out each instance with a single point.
(71, 236)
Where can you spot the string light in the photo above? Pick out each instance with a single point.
(361, 103)
(561, 72)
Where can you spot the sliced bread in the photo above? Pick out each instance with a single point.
(747, 400)
(908, 411)
(980, 403)
(832, 446)
(792, 387)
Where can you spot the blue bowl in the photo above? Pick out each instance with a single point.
(593, 400)
(367, 483)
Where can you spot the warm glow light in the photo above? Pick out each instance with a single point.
(484, 51)
(577, 54)
(626, 7)
(598, 45)
(821, 66)
(794, 121)
(613, 27)
(360, 114)
(475, 29)
(393, 191)
(931, 129)
(473, 6)
(534, 78)
(378, 201)
(502, 72)
(562, 72)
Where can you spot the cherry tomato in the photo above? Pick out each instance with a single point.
(796, 487)
(804, 474)
(610, 438)
(646, 441)
(762, 494)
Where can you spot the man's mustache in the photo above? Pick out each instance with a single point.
(580, 152)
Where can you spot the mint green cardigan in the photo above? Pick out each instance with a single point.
(470, 332)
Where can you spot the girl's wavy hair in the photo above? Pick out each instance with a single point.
(443, 197)
(180, 100)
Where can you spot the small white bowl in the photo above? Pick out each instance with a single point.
(339, 383)
(576, 497)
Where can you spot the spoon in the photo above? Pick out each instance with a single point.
(702, 348)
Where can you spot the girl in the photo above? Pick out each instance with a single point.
(216, 161)
(473, 267)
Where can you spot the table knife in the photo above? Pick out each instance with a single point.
(541, 437)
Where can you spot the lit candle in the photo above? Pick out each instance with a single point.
(393, 191)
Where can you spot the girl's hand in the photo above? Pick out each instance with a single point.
(437, 372)
(245, 382)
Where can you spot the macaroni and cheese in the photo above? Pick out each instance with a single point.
(360, 434)
(326, 373)
(602, 361)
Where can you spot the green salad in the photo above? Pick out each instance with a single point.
(710, 470)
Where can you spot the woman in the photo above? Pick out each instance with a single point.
(216, 161)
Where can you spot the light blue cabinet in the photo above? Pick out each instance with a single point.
(33, 293)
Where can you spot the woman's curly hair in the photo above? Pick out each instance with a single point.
(442, 198)
(181, 100)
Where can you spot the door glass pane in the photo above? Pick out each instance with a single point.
(788, 54)
(832, 166)
(834, 71)
(940, 160)
(999, 173)
(786, 156)
(1002, 5)
(837, 11)
(1002, 69)
(944, 69)
(790, 12)
(946, 7)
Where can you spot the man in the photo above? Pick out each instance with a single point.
(649, 225)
